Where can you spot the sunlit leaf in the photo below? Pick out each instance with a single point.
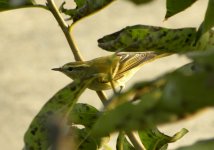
(149, 38)
(176, 6)
(166, 99)
(200, 145)
(122, 143)
(153, 139)
(14, 4)
(45, 127)
(208, 22)
(84, 8)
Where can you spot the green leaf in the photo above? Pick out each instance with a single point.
(175, 6)
(75, 138)
(200, 145)
(88, 141)
(84, 8)
(153, 139)
(140, 1)
(208, 22)
(83, 114)
(210, 45)
(15, 4)
(166, 99)
(205, 59)
(52, 118)
(122, 143)
(141, 38)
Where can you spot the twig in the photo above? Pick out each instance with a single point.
(132, 137)
(137, 144)
(65, 28)
(102, 97)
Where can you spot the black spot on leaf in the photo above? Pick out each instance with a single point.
(73, 88)
(70, 68)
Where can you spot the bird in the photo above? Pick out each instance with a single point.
(110, 71)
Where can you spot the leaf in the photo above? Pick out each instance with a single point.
(200, 145)
(205, 59)
(83, 114)
(210, 45)
(153, 139)
(137, 2)
(84, 8)
(141, 38)
(122, 143)
(15, 4)
(169, 98)
(208, 22)
(77, 139)
(46, 126)
(175, 6)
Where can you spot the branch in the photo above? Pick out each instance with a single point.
(137, 144)
(131, 135)
(65, 28)
(102, 97)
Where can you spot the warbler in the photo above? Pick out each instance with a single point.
(111, 71)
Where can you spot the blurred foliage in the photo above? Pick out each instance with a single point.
(48, 124)
(171, 97)
(200, 145)
(63, 123)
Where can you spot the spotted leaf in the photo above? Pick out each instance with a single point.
(14, 4)
(84, 8)
(141, 38)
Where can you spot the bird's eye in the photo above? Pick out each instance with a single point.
(70, 68)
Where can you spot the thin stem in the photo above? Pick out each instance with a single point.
(137, 144)
(40, 6)
(102, 97)
(65, 28)
(131, 135)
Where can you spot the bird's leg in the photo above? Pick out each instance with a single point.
(113, 86)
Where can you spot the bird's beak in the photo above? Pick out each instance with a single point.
(57, 69)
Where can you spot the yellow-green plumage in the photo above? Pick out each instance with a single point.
(117, 68)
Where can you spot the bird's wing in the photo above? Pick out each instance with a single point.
(129, 61)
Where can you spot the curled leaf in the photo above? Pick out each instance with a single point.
(84, 8)
(152, 138)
